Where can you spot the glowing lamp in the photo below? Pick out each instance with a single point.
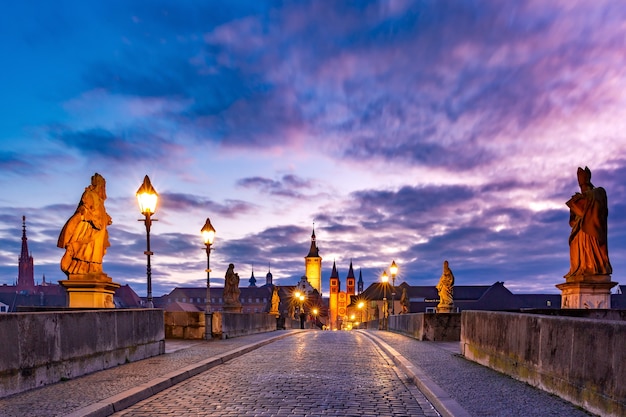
(393, 269)
(208, 232)
(147, 197)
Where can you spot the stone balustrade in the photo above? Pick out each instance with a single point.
(46, 347)
(582, 360)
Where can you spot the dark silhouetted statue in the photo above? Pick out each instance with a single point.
(231, 290)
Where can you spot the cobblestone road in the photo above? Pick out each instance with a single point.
(310, 374)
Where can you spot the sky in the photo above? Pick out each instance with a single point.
(414, 131)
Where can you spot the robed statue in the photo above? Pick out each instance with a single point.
(445, 287)
(404, 302)
(231, 289)
(589, 253)
(85, 237)
(275, 302)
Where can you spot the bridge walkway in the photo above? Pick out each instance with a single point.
(295, 373)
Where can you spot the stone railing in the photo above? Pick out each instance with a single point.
(48, 347)
(579, 359)
(435, 327)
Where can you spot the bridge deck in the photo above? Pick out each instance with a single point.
(452, 384)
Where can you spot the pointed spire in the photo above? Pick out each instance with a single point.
(252, 279)
(334, 273)
(24, 254)
(360, 282)
(350, 271)
(314, 250)
(26, 272)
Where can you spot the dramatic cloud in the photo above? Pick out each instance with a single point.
(413, 131)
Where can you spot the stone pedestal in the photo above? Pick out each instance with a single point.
(586, 291)
(90, 291)
(232, 308)
(445, 309)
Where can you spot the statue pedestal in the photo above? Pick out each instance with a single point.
(445, 309)
(586, 291)
(232, 308)
(90, 291)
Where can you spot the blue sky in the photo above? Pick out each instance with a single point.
(414, 131)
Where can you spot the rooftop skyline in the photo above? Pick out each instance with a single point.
(410, 131)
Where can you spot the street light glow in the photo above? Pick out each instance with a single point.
(147, 197)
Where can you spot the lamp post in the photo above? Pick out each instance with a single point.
(393, 269)
(360, 307)
(300, 297)
(147, 198)
(208, 234)
(315, 311)
(385, 280)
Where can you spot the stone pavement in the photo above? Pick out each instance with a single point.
(454, 385)
(313, 373)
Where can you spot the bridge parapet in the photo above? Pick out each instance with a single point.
(47, 347)
(579, 359)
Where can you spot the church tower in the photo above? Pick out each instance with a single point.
(333, 301)
(360, 283)
(269, 278)
(313, 265)
(26, 273)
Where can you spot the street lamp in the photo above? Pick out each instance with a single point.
(208, 234)
(385, 280)
(393, 269)
(147, 198)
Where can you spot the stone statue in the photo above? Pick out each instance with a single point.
(85, 237)
(376, 312)
(231, 289)
(589, 254)
(445, 288)
(404, 302)
(275, 302)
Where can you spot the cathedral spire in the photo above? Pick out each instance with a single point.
(26, 273)
(350, 271)
(359, 283)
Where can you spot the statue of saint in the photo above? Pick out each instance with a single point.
(445, 287)
(85, 237)
(231, 287)
(275, 301)
(589, 253)
(376, 312)
(404, 302)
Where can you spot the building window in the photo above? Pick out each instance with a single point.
(258, 300)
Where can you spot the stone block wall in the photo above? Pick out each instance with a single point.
(48, 347)
(581, 360)
(228, 325)
(434, 327)
(184, 325)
